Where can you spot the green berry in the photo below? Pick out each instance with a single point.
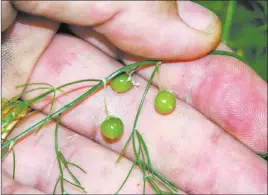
(112, 127)
(165, 102)
(121, 83)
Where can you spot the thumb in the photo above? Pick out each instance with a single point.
(150, 29)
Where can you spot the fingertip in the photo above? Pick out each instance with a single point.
(197, 16)
(203, 25)
(162, 33)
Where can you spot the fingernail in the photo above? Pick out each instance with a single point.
(197, 16)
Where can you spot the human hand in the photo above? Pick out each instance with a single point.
(149, 29)
(185, 146)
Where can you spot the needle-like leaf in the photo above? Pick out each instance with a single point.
(14, 163)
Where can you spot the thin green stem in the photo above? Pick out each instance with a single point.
(228, 20)
(141, 140)
(143, 97)
(140, 107)
(13, 104)
(47, 84)
(163, 178)
(137, 117)
(31, 90)
(58, 155)
(158, 79)
(61, 175)
(28, 84)
(227, 53)
(62, 159)
(124, 148)
(8, 149)
(78, 186)
(105, 102)
(134, 145)
(56, 134)
(154, 186)
(134, 163)
(60, 87)
(75, 165)
(162, 184)
(74, 102)
(55, 187)
(143, 167)
(69, 171)
(50, 110)
(52, 102)
(14, 163)
(4, 154)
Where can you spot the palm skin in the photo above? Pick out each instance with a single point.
(207, 145)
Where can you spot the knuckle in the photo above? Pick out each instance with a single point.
(102, 11)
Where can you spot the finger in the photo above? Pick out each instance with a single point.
(36, 163)
(225, 90)
(184, 146)
(9, 186)
(96, 39)
(102, 43)
(8, 15)
(159, 31)
(241, 108)
(22, 46)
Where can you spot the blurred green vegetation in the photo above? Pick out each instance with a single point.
(247, 34)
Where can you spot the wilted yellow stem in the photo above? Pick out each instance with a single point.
(11, 114)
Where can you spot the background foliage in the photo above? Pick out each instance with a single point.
(248, 29)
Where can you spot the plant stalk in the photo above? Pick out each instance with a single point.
(228, 20)
(74, 102)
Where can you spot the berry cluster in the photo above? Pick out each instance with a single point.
(112, 127)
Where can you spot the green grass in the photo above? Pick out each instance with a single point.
(244, 29)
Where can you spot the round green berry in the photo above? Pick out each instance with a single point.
(112, 127)
(165, 102)
(121, 83)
